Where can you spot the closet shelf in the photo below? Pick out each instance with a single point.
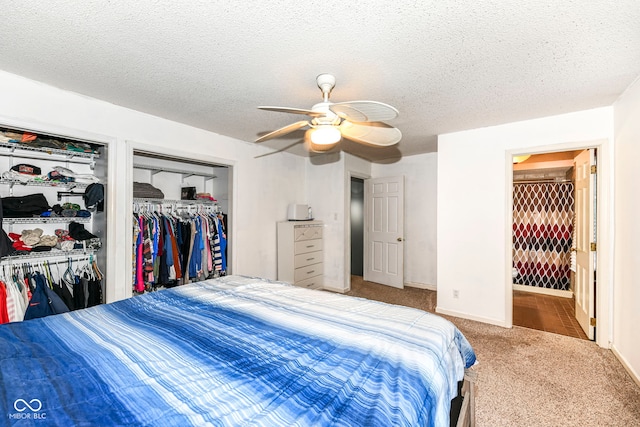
(185, 173)
(66, 185)
(50, 254)
(49, 220)
(174, 202)
(12, 146)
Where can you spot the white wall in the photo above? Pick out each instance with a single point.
(325, 191)
(627, 229)
(420, 226)
(474, 217)
(328, 189)
(262, 187)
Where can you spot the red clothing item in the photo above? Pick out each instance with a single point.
(18, 244)
(174, 251)
(4, 314)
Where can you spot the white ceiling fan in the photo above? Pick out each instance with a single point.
(359, 121)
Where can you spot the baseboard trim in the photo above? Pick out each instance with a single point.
(461, 315)
(421, 286)
(634, 375)
(545, 291)
(336, 290)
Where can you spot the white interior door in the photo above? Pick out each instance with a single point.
(384, 231)
(585, 285)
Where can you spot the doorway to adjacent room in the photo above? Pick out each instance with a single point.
(553, 225)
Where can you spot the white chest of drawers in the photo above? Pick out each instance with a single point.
(300, 256)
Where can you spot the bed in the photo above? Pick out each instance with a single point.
(235, 351)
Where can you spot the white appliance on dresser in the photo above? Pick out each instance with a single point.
(300, 260)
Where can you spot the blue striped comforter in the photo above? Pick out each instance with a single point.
(232, 352)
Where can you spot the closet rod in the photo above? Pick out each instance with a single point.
(543, 181)
(141, 208)
(36, 255)
(173, 202)
(81, 258)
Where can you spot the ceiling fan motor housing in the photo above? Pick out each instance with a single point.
(326, 83)
(329, 117)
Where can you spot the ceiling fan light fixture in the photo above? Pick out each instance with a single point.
(325, 135)
(330, 122)
(520, 159)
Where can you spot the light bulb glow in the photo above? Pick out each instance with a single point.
(520, 159)
(325, 135)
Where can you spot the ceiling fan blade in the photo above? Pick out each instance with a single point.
(293, 111)
(364, 111)
(375, 133)
(283, 130)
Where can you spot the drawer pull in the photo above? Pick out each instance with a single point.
(312, 271)
(310, 259)
(309, 246)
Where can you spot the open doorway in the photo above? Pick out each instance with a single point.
(357, 226)
(547, 201)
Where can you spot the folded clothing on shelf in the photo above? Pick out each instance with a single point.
(205, 196)
(24, 206)
(40, 141)
(48, 240)
(31, 237)
(63, 235)
(33, 240)
(58, 177)
(78, 177)
(78, 232)
(142, 190)
(12, 175)
(27, 169)
(8, 136)
(67, 210)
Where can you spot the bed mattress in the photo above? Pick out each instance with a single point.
(233, 351)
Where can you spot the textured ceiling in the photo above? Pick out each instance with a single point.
(447, 66)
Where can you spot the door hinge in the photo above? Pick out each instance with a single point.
(593, 247)
(594, 168)
(592, 321)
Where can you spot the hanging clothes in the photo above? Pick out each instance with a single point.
(31, 291)
(181, 249)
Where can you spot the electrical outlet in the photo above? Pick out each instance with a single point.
(456, 293)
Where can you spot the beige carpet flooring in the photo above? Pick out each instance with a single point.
(533, 378)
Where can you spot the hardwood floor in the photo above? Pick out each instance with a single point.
(546, 313)
(534, 311)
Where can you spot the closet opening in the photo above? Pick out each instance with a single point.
(181, 221)
(53, 221)
(357, 226)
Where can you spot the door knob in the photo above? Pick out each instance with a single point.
(399, 239)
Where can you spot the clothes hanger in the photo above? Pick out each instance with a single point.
(95, 267)
(68, 275)
(88, 269)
